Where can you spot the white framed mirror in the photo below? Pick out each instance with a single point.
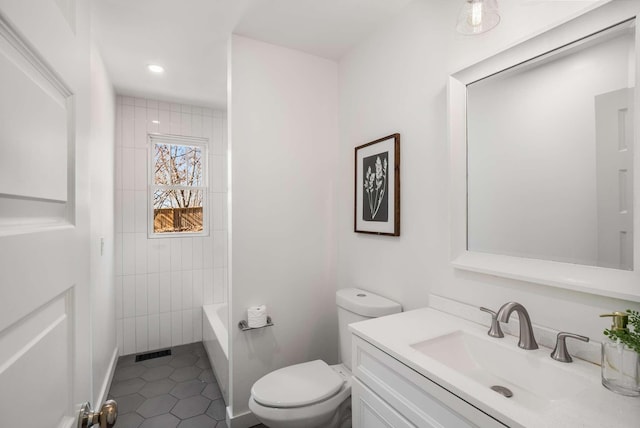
(542, 149)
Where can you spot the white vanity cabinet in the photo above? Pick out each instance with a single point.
(387, 393)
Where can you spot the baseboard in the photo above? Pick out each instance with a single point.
(106, 384)
(243, 420)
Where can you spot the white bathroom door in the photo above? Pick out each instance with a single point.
(614, 172)
(44, 245)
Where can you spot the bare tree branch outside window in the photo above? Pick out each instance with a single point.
(179, 188)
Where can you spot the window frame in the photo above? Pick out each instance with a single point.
(177, 140)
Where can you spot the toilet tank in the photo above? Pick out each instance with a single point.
(356, 305)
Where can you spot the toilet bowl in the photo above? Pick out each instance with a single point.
(309, 395)
(315, 394)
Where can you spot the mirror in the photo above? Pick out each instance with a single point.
(543, 164)
(550, 155)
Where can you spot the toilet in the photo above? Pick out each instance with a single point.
(315, 394)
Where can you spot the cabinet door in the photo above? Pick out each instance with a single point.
(370, 411)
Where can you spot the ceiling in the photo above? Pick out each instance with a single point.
(189, 38)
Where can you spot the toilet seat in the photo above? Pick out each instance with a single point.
(297, 386)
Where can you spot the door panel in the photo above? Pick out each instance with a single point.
(44, 224)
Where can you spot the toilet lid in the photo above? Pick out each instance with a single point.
(298, 385)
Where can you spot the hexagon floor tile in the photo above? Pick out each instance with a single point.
(175, 391)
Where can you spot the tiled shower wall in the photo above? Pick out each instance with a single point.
(162, 283)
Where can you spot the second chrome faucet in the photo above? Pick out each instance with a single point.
(527, 340)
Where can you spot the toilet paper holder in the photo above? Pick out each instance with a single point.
(244, 325)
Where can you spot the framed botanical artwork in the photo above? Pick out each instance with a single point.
(377, 187)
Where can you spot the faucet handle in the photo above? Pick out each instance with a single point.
(560, 352)
(495, 330)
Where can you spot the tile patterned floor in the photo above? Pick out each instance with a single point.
(176, 391)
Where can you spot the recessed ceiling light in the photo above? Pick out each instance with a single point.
(155, 68)
(155, 122)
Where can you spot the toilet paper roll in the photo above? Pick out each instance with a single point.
(257, 316)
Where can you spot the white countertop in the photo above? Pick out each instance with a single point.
(594, 407)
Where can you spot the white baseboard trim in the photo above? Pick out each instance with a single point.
(243, 420)
(106, 384)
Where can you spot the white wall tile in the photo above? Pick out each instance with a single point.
(219, 248)
(140, 127)
(175, 122)
(207, 286)
(165, 122)
(140, 169)
(176, 291)
(141, 295)
(141, 252)
(129, 334)
(197, 254)
(187, 289)
(118, 297)
(120, 336)
(153, 255)
(142, 338)
(164, 255)
(187, 253)
(128, 253)
(176, 328)
(117, 165)
(153, 121)
(141, 211)
(128, 211)
(207, 251)
(117, 211)
(128, 126)
(176, 254)
(197, 324)
(117, 254)
(165, 330)
(153, 293)
(226, 285)
(218, 285)
(154, 331)
(217, 173)
(196, 125)
(217, 210)
(165, 291)
(128, 168)
(198, 291)
(128, 296)
(187, 326)
(164, 282)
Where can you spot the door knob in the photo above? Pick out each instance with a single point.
(106, 418)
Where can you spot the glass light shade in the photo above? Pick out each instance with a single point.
(477, 16)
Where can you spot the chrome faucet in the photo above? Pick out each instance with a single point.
(527, 341)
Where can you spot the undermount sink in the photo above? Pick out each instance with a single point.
(535, 380)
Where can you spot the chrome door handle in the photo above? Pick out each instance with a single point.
(106, 418)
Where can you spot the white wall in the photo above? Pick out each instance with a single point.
(283, 144)
(102, 150)
(162, 283)
(395, 81)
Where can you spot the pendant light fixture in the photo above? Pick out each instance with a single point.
(477, 16)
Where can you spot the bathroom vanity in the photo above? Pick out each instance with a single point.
(427, 368)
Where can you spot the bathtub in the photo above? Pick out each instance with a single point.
(215, 335)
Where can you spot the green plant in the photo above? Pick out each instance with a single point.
(631, 338)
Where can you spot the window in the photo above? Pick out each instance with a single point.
(178, 189)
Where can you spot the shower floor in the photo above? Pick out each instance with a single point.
(176, 391)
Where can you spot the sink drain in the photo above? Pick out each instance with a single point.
(502, 390)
